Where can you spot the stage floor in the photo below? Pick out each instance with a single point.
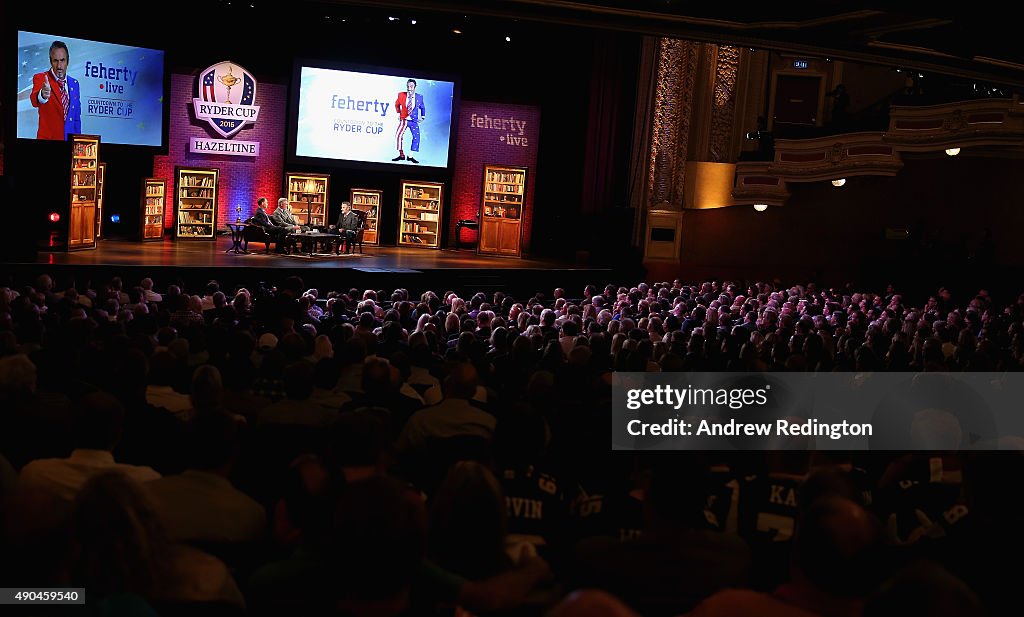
(216, 253)
(378, 267)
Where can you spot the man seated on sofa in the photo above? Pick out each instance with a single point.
(266, 222)
(283, 217)
(349, 224)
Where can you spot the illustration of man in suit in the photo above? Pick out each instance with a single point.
(410, 111)
(349, 224)
(56, 95)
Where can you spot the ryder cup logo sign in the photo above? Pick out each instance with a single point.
(223, 95)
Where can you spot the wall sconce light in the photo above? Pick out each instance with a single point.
(760, 207)
(839, 182)
(952, 151)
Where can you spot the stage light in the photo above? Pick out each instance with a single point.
(115, 218)
(508, 39)
(456, 31)
(412, 21)
(839, 182)
(54, 217)
(760, 207)
(952, 151)
(392, 19)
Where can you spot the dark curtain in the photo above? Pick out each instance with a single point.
(609, 109)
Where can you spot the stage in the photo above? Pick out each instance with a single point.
(377, 267)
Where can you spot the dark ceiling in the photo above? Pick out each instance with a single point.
(977, 42)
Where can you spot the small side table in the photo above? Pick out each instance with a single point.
(237, 235)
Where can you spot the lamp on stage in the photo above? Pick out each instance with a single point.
(238, 214)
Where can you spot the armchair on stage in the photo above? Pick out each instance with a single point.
(345, 245)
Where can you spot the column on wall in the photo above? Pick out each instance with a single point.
(702, 98)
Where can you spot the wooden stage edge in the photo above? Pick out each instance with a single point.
(378, 267)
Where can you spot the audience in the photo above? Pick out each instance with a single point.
(96, 431)
(374, 452)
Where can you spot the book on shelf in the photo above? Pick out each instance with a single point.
(307, 185)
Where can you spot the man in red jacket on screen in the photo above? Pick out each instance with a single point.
(57, 97)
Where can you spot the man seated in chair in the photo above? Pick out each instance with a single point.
(349, 224)
(260, 218)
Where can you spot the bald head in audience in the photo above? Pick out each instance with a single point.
(591, 603)
(462, 382)
(836, 547)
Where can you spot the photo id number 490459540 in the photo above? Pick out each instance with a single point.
(39, 595)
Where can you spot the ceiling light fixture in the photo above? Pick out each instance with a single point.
(839, 182)
(760, 207)
(952, 151)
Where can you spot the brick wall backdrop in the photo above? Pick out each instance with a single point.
(242, 178)
(482, 140)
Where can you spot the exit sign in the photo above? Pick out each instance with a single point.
(799, 64)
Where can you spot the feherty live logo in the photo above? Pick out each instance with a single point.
(224, 95)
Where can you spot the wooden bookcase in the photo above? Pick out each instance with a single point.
(421, 214)
(154, 194)
(308, 192)
(100, 177)
(501, 211)
(196, 203)
(368, 201)
(85, 153)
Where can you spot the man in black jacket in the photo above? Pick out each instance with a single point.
(349, 224)
(263, 220)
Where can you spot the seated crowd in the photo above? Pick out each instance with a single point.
(277, 450)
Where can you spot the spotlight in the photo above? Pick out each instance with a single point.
(760, 207)
(839, 182)
(115, 218)
(508, 39)
(392, 19)
(952, 151)
(456, 31)
(412, 21)
(54, 217)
